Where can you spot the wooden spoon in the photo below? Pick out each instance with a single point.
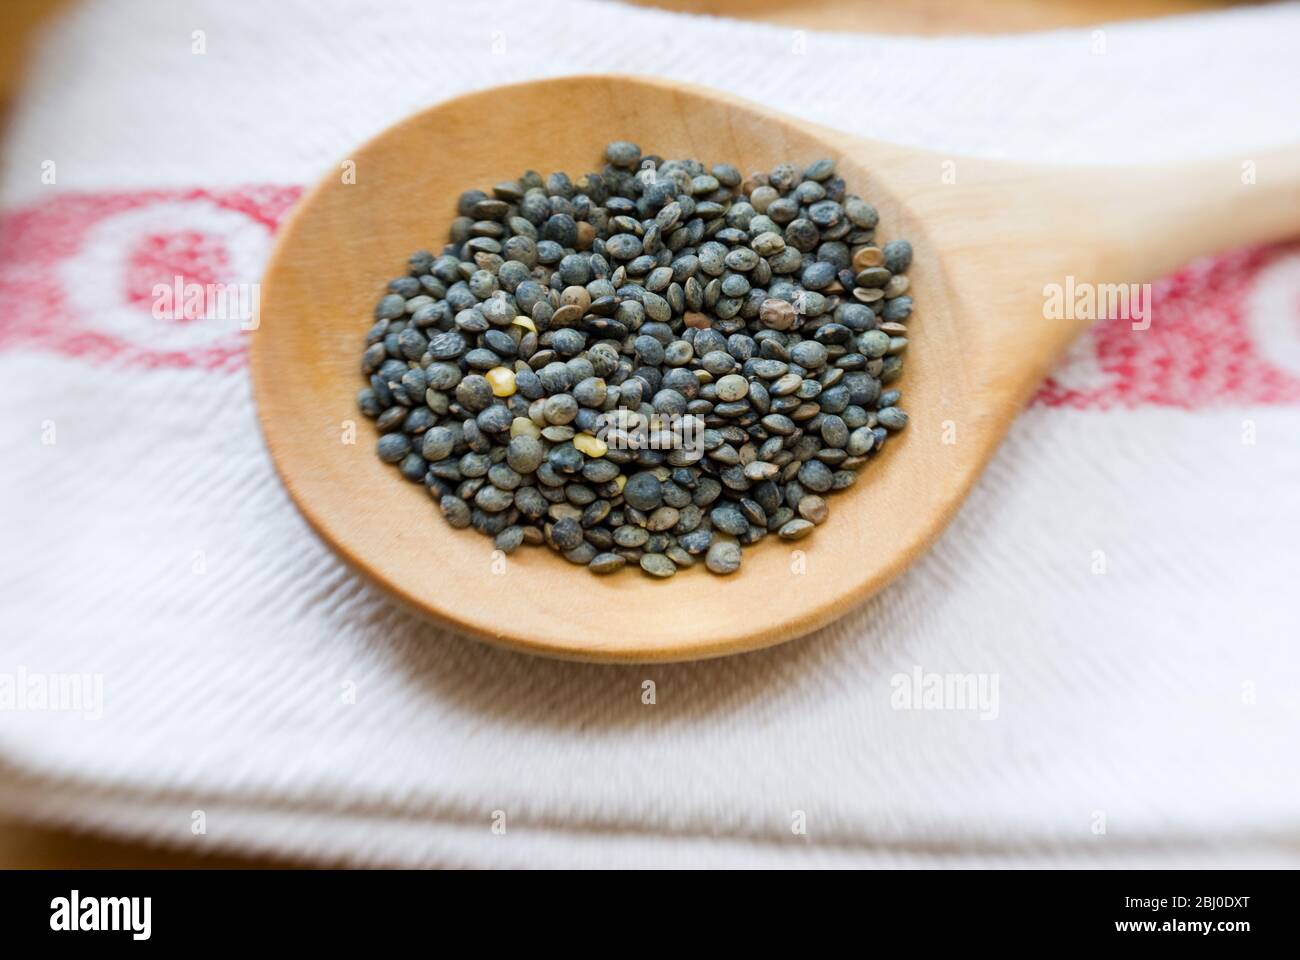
(988, 237)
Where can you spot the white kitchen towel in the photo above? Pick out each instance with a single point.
(1096, 664)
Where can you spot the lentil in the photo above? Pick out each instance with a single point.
(723, 557)
(763, 311)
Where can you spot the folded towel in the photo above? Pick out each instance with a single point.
(1095, 664)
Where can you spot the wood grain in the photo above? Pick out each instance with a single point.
(19, 22)
(985, 245)
(27, 847)
(933, 17)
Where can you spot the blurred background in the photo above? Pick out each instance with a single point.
(21, 20)
(21, 24)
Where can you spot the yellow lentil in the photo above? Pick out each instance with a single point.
(523, 427)
(591, 446)
(502, 381)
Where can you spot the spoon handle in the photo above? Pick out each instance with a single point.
(1050, 248)
(1153, 220)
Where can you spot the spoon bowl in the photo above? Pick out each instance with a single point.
(987, 237)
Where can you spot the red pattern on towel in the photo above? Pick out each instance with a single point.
(78, 271)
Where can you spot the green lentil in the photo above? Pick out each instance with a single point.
(723, 557)
(607, 563)
(763, 310)
(658, 565)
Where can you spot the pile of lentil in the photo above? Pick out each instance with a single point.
(764, 309)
